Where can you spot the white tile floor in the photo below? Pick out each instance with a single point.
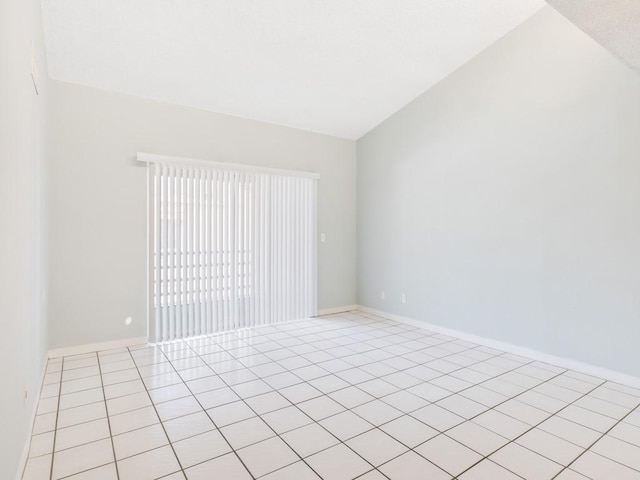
(340, 397)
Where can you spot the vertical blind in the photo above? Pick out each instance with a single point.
(230, 247)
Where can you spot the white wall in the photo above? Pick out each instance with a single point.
(505, 202)
(98, 200)
(22, 226)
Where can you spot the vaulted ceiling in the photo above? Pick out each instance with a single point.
(338, 67)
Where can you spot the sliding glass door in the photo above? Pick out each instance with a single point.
(230, 248)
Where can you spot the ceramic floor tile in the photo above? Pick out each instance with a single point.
(309, 439)
(125, 422)
(525, 463)
(225, 467)
(376, 447)
(178, 408)
(437, 417)
(449, 455)
(121, 389)
(523, 412)
(82, 433)
(619, 451)
(247, 432)
(138, 441)
(329, 383)
(205, 384)
(602, 406)
(150, 465)
(462, 406)
(570, 475)
(217, 398)
(477, 438)
(267, 402)
(297, 471)
(230, 413)
(377, 412)
(597, 467)
(200, 448)
(78, 399)
(81, 458)
(320, 407)
(346, 425)
(501, 424)
(338, 463)
(188, 426)
(570, 431)
(41, 444)
(105, 472)
(44, 423)
(411, 466)
(351, 397)
(429, 392)
(38, 468)
(550, 446)
(128, 403)
(300, 393)
(409, 431)
(372, 475)
(616, 396)
(404, 401)
(168, 393)
(488, 470)
(627, 432)
(84, 413)
(588, 418)
(267, 456)
(323, 389)
(286, 419)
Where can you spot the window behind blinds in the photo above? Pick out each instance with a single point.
(230, 248)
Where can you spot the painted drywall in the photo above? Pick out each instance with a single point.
(505, 201)
(98, 201)
(22, 226)
(329, 66)
(614, 24)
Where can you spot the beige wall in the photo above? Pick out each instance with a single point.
(22, 226)
(98, 200)
(505, 201)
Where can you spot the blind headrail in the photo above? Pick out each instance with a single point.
(196, 162)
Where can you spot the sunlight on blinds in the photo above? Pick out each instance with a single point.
(230, 249)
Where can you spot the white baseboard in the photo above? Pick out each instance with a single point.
(563, 362)
(24, 457)
(334, 310)
(95, 347)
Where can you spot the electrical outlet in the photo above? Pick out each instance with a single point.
(323, 237)
(382, 295)
(403, 298)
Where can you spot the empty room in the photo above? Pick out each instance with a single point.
(304, 240)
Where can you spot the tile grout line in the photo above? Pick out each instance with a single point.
(113, 448)
(490, 408)
(55, 429)
(600, 438)
(159, 418)
(452, 340)
(257, 415)
(319, 337)
(528, 430)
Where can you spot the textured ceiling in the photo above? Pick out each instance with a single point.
(338, 67)
(615, 24)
